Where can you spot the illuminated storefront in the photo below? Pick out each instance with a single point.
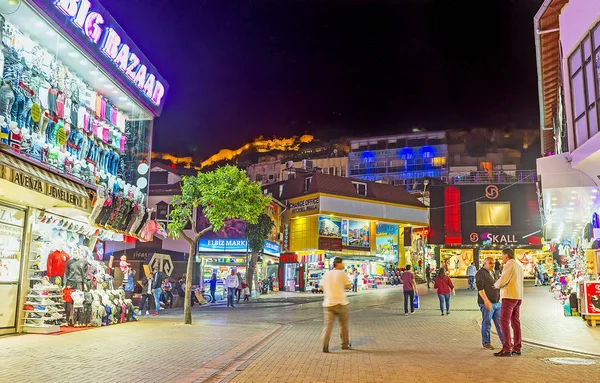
(329, 216)
(473, 221)
(77, 104)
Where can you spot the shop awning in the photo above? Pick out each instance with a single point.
(22, 174)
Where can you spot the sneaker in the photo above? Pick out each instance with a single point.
(154, 314)
(442, 314)
(406, 314)
(448, 313)
(488, 347)
(147, 312)
(412, 312)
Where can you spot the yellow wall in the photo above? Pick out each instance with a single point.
(304, 232)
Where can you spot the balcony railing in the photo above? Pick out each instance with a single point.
(495, 177)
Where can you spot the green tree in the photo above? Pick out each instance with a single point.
(256, 234)
(225, 193)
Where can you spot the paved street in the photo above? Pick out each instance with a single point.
(277, 340)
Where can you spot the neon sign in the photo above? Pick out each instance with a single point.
(95, 29)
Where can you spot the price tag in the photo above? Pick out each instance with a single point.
(61, 136)
(36, 113)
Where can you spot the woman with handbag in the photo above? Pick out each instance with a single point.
(444, 287)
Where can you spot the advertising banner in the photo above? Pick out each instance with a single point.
(330, 233)
(591, 298)
(386, 239)
(359, 233)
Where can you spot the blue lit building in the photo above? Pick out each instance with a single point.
(401, 160)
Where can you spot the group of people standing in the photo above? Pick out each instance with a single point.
(234, 286)
(499, 298)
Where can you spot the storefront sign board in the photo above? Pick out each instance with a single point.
(162, 263)
(96, 30)
(311, 204)
(590, 297)
(286, 237)
(272, 248)
(30, 182)
(222, 245)
(492, 238)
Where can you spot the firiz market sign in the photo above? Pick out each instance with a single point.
(305, 205)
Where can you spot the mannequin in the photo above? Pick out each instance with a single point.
(15, 137)
(36, 147)
(4, 131)
(62, 156)
(7, 98)
(26, 141)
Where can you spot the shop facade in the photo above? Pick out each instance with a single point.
(75, 136)
(329, 216)
(470, 222)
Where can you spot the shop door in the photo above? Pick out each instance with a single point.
(11, 241)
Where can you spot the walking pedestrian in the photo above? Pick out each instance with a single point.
(129, 286)
(167, 294)
(355, 275)
(213, 287)
(511, 292)
(471, 271)
(157, 290)
(147, 296)
(238, 289)
(428, 275)
(231, 284)
(409, 287)
(444, 287)
(335, 304)
(488, 299)
(497, 268)
(541, 272)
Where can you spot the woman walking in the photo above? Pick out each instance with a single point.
(444, 287)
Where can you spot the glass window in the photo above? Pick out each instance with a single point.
(361, 188)
(581, 132)
(575, 61)
(343, 171)
(587, 48)
(578, 90)
(593, 121)
(417, 142)
(307, 182)
(493, 213)
(589, 80)
(596, 35)
(331, 171)
(162, 210)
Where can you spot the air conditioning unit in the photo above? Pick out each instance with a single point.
(307, 164)
(289, 164)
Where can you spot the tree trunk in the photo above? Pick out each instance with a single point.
(250, 272)
(187, 304)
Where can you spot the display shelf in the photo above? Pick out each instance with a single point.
(43, 311)
(44, 296)
(41, 329)
(43, 304)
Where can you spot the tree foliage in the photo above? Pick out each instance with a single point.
(225, 193)
(257, 233)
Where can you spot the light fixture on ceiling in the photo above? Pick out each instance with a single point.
(73, 54)
(39, 24)
(595, 191)
(83, 62)
(115, 91)
(573, 191)
(50, 32)
(94, 72)
(62, 45)
(109, 86)
(573, 197)
(571, 203)
(123, 98)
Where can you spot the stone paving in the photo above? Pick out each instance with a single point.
(281, 343)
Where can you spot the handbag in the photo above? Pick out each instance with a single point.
(416, 302)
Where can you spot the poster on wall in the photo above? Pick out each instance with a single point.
(386, 239)
(359, 234)
(456, 261)
(330, 233)
(591, 297)
(330, 227)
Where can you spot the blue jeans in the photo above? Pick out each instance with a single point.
(230, 296)
(157, 294)
(471, 282)
(444, 298)
(486, 322)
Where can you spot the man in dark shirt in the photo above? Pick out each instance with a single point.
(489, 302)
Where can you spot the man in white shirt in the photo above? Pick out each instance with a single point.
(334, 285)
(231, 283)
(511, 293)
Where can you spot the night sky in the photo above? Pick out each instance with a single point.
(240, 69)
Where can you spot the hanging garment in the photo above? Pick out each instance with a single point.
(7, 98)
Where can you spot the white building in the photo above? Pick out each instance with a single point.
(568, 58)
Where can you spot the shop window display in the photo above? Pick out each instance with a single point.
(50, 114)
(11, 234)
(69, 282)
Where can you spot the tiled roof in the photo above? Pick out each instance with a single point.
(342, 186)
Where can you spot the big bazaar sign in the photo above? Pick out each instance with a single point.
(93, 27)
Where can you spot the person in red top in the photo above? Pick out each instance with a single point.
(444, 287)
(409, 286)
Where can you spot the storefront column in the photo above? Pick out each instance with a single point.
(476, 257)
(24, 277)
